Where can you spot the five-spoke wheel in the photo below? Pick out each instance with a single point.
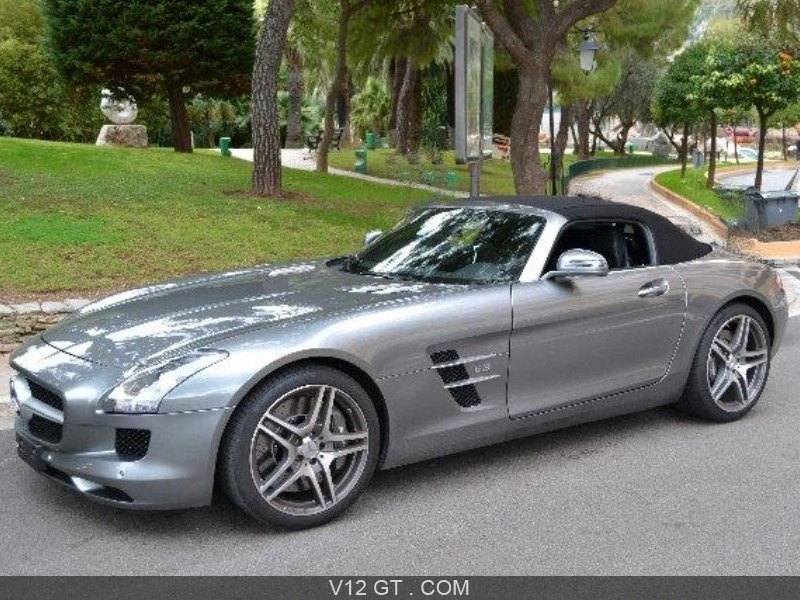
(731, 366)
(737, 363)
(301, 448)
(309, 449)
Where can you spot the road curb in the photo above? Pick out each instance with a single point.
(775, 254)
(710, 219)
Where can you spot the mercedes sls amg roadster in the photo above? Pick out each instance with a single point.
(469, 323)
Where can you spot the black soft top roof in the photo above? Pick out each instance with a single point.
(673, 244)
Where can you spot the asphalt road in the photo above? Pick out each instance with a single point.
(651, 493)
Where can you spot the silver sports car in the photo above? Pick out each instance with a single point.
(469, 323)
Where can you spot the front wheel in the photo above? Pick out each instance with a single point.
(301, 447)
(730, 368)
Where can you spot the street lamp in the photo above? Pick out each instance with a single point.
(587, 50)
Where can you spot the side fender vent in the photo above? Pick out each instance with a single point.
(455, 378)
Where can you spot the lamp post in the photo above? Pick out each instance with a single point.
(587, 50)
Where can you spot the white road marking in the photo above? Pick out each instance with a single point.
(791, 281)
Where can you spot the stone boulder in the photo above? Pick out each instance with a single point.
(129, 136)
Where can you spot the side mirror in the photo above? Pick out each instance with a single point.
(371, 236)
(578, 262)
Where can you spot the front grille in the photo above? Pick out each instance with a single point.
(45, 429)
(132, 444)
(42, 394)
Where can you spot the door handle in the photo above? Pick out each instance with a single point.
(653, 289)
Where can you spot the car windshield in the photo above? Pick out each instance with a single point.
(452, 245)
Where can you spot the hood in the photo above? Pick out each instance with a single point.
(156, 322)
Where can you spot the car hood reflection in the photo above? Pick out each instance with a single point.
(157, 322)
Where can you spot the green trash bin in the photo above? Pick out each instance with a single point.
(370, 141)
(361, 161)
(451, 179)
(225, 146)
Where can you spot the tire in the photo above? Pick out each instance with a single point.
(729, 373)
(300, 448)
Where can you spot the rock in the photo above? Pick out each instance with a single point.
(26, 308)
(129, 136)
(55, 307)
(6, 310)
(77, 303)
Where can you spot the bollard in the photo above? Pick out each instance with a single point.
(225, 146)
(361, 161)
(451, 179)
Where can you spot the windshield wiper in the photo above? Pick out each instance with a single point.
(389, 275)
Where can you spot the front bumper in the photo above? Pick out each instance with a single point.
(177, 470)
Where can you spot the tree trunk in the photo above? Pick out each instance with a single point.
(684, 151)
(266, 179)
(398, 75)
(407, 111)
(181, 135)
(762, 139)
(530, 32)
(529, 175)
(350, 91)
(339, 81)
(583, 119)
(712, 160)
(574, 133)
(562, 137)
(295, 86)
(622, 138)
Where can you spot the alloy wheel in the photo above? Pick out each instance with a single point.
(309, 450)
(737, 363)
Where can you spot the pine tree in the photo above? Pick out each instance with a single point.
(177, 48)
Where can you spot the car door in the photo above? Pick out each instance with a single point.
(583, 338)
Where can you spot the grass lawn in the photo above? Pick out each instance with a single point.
(693, 187)
(496, 176)
(76, 218)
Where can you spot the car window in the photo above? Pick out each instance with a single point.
(624, 245)
(453, 245)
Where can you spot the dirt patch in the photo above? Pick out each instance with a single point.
(783, 233)
(10, 297)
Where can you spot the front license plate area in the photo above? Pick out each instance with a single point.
(31, 454)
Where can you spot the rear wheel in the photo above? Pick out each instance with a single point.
(731, 366)
(301, 448)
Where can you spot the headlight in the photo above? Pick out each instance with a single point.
(143, 391)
